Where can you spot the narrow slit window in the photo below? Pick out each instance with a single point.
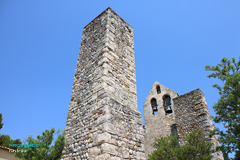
(158, 90)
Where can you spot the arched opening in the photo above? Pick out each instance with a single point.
(167, 104)
(154, 105)
(158, 89)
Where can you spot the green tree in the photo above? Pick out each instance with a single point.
(5, 140)
(194, 148)
(227, 107)
(46, 151)
(1, 124)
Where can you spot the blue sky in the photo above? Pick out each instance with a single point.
(39, 45)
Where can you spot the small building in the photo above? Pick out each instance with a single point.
(7, 153)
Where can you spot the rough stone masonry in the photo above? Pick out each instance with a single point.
(177, 115)
(103, 121)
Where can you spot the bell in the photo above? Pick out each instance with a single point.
(168, 109)
(154, 105)
(167, 105)
(155, 108)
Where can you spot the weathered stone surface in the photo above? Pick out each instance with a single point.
(104, 137)
(108, 148)
(115, 158)
(103, 119)
(109, 127)
(94, 151)
(189, 111)
(140, 155)
(103, 157)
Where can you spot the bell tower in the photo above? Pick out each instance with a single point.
(103, 120)
(159, 114)
(165, 113)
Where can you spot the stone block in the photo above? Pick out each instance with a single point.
(107, 109)
(103, 157)
(104, 118)
(102, 138)
(140, 137)
(108, 148)
(108, 127)
(140, 155)
(125, 154)
(94, 151)
(115, 158)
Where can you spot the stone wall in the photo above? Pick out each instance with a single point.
(103, 121)
(191, 112)
(118, 133)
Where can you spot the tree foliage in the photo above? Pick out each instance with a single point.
(1, 124)
(227, 107)
(45, 151)
(5, 140)
(195, 148)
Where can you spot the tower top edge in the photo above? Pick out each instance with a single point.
(185, 94)
(110, 9)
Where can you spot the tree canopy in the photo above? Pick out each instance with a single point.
(1, 124)
(195, 148)
(227, 107)
(44, 151)
(5, 140)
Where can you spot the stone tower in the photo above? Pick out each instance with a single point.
(165, 113)
(103, 120)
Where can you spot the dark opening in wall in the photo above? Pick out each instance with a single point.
(154, 106)
(174, 129)
(158, 89)
(167, 104)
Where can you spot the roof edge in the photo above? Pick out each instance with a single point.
(6, 148)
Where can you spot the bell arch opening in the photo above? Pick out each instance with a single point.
(167, 104)
(154, 105)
